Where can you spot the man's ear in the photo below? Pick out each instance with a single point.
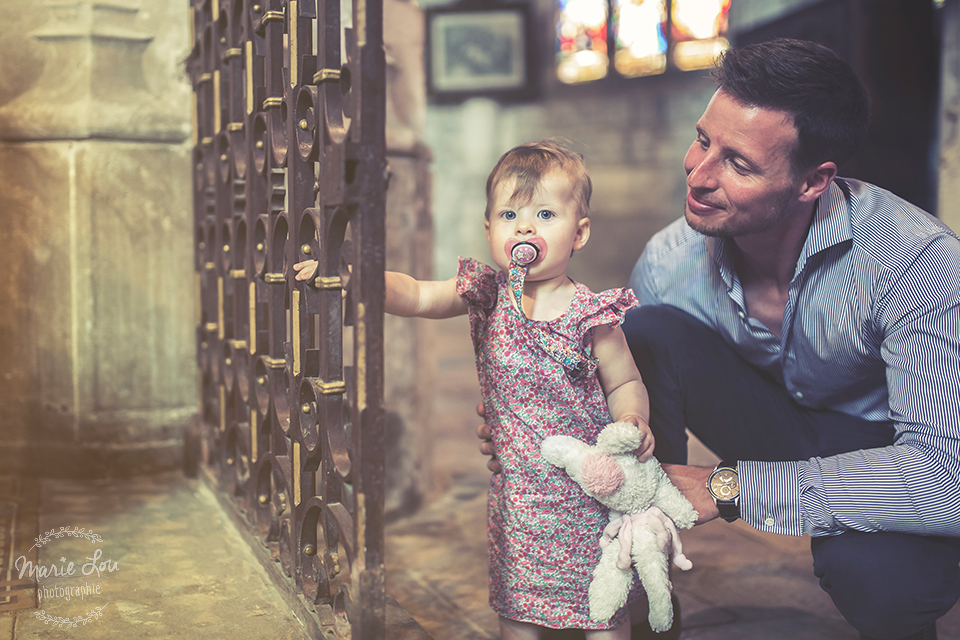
(583, 234)
(816, 181)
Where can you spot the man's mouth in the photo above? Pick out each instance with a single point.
(699, 205)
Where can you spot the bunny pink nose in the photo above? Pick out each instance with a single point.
(601, 474)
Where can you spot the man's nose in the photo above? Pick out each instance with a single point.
(700, 170)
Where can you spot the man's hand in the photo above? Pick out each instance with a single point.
(692, 483)
(486, 447)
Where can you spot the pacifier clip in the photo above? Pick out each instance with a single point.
(557, 347)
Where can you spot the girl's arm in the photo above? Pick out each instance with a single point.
(409, 297)
(626, 394)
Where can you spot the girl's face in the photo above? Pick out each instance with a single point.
(551, 221)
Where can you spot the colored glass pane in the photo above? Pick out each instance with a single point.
(699, 32)
(582, 40)
(639, 28)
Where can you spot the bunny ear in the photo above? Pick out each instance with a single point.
(619, 437)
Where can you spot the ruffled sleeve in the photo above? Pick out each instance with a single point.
(606, 308)
(477, 284)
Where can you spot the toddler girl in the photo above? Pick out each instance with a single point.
(551, 359)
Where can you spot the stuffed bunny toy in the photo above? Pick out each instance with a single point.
(638, 495)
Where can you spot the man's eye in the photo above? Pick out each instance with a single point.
(703, 143)
(545, 215)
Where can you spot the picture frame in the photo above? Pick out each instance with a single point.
(479, 52)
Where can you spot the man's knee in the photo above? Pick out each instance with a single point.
(665, 338)
(652, 325)
(888, 585)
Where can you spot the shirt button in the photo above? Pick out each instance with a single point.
(769, 521)
(741, 314)
(799, 394)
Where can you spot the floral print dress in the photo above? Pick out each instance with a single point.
(542, 529)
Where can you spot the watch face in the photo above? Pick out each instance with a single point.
(724, 485)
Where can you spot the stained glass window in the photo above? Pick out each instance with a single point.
(640, 33)
(699, 32)
(582, 40)
(648, 36)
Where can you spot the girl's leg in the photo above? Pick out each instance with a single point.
(513, 630)
(620, 633)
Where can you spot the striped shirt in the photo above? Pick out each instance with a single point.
(871, 329)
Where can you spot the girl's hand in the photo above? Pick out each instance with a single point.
(305, 269)
(647, 444)
(647, 441)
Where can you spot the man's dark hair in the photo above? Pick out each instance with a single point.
(829, 105)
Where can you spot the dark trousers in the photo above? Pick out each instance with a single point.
(887, 585)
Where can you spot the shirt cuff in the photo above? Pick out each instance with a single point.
(818, 519)
(770, 496)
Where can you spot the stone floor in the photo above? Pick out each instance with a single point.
(174, 566)
(153, 557)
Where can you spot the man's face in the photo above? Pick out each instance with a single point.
(739, 178)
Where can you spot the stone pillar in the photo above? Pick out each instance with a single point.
(408, 356)
(949, 201)
(97, 313)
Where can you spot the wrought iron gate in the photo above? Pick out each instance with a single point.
(289, 165)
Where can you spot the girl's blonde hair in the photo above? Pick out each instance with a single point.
(530, 162)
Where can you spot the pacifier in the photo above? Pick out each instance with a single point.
(524, 253)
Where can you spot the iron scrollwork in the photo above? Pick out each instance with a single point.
(289, 165)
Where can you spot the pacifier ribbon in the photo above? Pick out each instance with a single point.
(557, 347)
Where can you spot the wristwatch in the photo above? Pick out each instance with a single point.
(724, 486)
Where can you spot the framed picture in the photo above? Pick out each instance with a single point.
(478, 52)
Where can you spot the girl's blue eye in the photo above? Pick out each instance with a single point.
(508, 215)
(545, 215)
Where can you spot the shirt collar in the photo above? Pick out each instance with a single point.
(719, 251)
(831, 222)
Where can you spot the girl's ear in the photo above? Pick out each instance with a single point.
(583, 234)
